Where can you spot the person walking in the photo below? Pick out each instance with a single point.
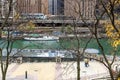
(86, 62)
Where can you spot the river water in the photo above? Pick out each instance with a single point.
(62, 44)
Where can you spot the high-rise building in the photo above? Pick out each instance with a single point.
(32, 6)
(74, 8)
(77, 8)
(29, 6)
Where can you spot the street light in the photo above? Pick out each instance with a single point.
(26, 76)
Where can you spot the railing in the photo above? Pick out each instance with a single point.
(39, 53)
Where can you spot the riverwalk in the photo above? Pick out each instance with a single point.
(55, 71)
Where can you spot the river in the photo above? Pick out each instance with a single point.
(62, 44)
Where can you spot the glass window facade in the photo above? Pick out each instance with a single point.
(56, 7)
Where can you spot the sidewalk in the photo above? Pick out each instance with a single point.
(95, 70)
(53, 71)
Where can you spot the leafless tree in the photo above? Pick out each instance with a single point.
(73, 31)
(9, 23)
(98, 11)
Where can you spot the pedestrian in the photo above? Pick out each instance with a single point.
(86, 62)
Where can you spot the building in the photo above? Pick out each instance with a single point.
(52, 7)
(75, 8)
(24, 6)
(32, 6)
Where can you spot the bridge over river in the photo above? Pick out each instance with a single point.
(52, 22)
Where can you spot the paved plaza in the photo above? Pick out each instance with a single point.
(55, 71)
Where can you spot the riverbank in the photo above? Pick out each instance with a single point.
(82, 32)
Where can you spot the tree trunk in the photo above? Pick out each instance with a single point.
(78, 68)
(111, 74)
(3, 76)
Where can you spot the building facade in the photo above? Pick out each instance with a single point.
(76, 8)
(52, 7)
(32, 6)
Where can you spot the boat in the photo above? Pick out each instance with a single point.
(41, 38)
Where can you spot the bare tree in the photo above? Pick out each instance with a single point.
(4, 64)
(75, 9)
(99, 10)
(105, 10)
(10, 23)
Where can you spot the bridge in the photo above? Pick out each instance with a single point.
(51, 22)
(54, 23)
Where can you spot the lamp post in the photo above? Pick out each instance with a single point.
(26, 75)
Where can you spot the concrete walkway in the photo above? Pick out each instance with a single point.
(55, 71)
(95, 70)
